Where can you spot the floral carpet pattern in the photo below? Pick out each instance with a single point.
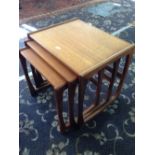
(110, 133)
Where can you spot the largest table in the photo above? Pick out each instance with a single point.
(86, 50)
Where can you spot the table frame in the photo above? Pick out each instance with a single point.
(82, 81)
(97, 107)
(41, 84)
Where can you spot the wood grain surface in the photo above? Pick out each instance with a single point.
(51, 75)
(81, 46)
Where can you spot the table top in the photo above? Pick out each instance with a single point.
(80, 46)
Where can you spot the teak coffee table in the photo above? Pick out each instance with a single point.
(85, 51)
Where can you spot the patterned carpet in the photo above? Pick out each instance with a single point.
(29, 8)
(110, 133)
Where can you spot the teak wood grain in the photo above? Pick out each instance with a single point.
(51, 75)
(81, 46)
(68, 54)
(67, 74)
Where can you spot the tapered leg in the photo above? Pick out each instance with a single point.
(122, 77)
(71, 94)
(37, 77)
(112, 80)
(24, 66)
(81, 92)
(59, 107)
(98, 89)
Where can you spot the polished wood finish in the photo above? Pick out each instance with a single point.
(54, 63)
(80, 46)
(43, 68)
(69, 54)
(94, 109)
(56, 82)
(82, 87)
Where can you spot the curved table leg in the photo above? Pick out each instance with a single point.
(59, 108)
(112, 80)
(71, 94)
(123, 75)
(99, 86)
(24, 65)
(81, 92)
(37, 77)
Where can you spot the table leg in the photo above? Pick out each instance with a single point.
(59, 107)
(30, 85)
(96, 109)
(122, 77)
(99, 86)
(112, 80)
(81, 92)
(71, 94)
(37, 77)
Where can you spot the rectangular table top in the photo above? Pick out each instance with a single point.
(80, 46)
